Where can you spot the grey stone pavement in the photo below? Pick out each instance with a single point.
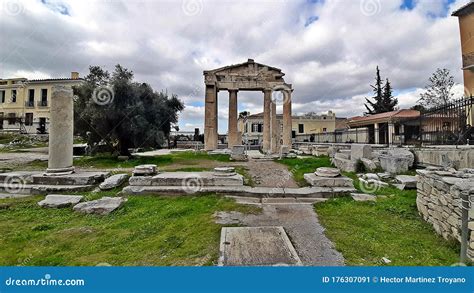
(302, 226)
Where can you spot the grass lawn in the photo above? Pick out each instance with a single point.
(298, 167)
(364, 232)
(148, 230)
(189, 161)
(183, 158)
(21, 142)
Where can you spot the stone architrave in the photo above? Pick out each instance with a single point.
(61, 131)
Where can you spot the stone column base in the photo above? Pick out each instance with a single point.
(59, 171)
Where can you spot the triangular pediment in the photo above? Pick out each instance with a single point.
(246, 71)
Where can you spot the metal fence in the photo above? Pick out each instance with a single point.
(450, 124)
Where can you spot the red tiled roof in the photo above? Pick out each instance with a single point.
(402, 113)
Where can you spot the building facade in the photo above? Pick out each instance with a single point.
(251, 126)
(25, 104)
(465, 15)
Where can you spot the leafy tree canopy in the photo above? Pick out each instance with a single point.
(115, 110)
(438, 92)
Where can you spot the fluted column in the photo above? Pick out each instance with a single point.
(61, 130)
(267, 96)
(233, 135)
(274, 129)
(287, 123)
(210, 119)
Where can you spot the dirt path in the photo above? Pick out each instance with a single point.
(301, 223)
(270, 174)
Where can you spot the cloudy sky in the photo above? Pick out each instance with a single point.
(329, 49)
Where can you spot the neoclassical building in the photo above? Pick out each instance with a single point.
(25, 104)
(248, 76)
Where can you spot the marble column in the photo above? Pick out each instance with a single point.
(287, 123)
(376, 133)
(233, 133)
(391, 132)
(267, 100)
(61, 131)
(274, 130)
(210, 119)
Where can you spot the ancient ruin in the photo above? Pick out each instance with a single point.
(247, 76)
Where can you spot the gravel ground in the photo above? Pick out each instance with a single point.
(270, 174)
(302, 226)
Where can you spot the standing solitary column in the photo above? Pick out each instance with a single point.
(275, 132)
(210, 119)
(61, 131)
(233, 138)
(267, 96)
(287, 123)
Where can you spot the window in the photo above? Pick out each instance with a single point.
(325, 129)
(300, 128)
(2, 96)
(44, 95)
(254, 127)
(13, 99)
(246, 128)
(29, 119)
(31, 98)
(11, 118)
(257, 127)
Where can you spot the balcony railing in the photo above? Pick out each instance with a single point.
(42, 103)
(468, 60)
(29, 104)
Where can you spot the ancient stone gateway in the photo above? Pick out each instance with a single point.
(248, 76)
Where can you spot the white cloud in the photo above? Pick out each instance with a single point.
(330, 62)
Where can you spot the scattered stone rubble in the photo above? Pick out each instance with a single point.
(113, 181)
(438, 200)
(60, 201)
(102, 206)
(238, 153)
(393, 160)
(327, 177)
(145, 170)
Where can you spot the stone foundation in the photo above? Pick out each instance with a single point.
(439, 199)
